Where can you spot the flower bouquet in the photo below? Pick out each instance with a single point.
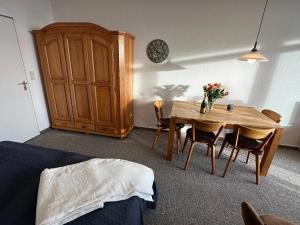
(214, 92)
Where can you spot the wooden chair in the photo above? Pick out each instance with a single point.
(251, 217)
(269, 113)
(203, 132)
(164, 124)
(251, 139)
(272, 115)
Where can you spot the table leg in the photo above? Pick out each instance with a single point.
(270, 151)
(171, 139)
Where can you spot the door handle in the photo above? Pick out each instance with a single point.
(24, 83)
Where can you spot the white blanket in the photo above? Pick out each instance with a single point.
(68, 192)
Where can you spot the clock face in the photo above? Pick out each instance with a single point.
(157, 51)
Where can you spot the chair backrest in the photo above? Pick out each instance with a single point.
(249, 215)
(254, 133)
(272, 115)
(207, 126)
(158, 108)
(263, 134)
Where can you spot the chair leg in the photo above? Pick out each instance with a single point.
(228, 162)
(248, 156)
(156, 137)
(184, 144)
(177, 141)
(222, 148)
(213, 159)
(179, 135)
(208, 148)
(237, 153)
(257, 169)
(189, 156)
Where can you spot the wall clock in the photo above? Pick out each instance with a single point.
(157, 51)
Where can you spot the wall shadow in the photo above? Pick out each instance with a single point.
(159, 67)
(144, 105)
(292, 131)
(295, 117)
(170, 91)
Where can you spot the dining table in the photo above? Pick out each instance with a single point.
(186, 111)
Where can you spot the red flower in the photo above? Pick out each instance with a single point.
(226, 93)
(210, 87)
(216, 84)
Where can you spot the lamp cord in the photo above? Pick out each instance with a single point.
(262, 18)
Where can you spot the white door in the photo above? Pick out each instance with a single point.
(17, 116)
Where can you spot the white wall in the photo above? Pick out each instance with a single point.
(205, 38)
(29, 15)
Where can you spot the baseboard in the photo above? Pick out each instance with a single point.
(147, 128)
(45, 130)
(41, 132)
(144, 128)
(289, 147)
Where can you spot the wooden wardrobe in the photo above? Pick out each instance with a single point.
(87, 73)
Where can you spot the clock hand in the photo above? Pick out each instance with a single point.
(159, 50)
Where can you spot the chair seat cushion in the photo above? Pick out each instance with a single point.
(201, 136)
(165, 124)
(275, 220)
(243, 142)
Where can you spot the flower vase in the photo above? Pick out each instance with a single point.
(210, 104)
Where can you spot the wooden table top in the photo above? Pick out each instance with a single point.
(241, 115)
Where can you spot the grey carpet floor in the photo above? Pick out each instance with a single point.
(195, 196)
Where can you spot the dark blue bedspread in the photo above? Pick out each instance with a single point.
(20, 169)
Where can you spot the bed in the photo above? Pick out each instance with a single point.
(20, 169)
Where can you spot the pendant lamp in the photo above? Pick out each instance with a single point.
(253, 55)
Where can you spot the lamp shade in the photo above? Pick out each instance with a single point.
(253, 56)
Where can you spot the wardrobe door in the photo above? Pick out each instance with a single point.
(55, 79)
(101, 54)
(77, 68)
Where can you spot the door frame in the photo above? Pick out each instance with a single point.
(23, 65)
